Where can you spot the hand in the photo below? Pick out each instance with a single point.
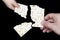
(11, 4)
(51, 23)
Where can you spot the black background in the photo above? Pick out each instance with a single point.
(8, 19)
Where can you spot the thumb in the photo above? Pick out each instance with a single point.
(48, 24)
(15, 4)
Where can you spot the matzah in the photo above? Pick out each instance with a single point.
(37, 15)
(21, 10)
(23, 28)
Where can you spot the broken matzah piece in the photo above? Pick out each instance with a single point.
(37, 15)
(21, 10)
(23, 28)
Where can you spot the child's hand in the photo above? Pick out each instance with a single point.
(51, 23)
(11, 4)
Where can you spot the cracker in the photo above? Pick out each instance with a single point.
(21, 10)
(23, 28)
(37, 15)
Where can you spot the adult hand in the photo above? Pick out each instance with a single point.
(11, 4)
(51, 22)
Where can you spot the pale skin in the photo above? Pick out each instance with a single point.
(50, 23)
(11, 4)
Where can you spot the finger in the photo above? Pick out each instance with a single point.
(51, 20)
(48, 31)
(45, 30)
(48, 24)
(41, 28)
(49, 16)
(15, 4)
(10, 6)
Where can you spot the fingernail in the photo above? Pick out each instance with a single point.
(47, 31)
(44, 31)
(41, 28)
